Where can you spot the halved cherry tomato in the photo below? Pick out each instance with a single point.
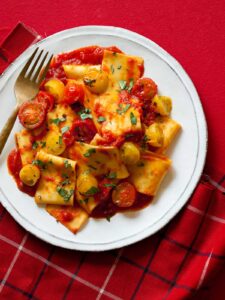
(32, 114)
(73, 93)
(46, 99)
(145, 89)
(124, 195)
(81, 130)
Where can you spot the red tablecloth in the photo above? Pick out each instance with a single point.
(185, 260)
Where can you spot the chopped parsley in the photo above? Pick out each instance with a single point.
(89, 82)
(129, 135)
(89, 152)
(64, 175)
(122, 109)
(35, 145)
(92, 191)
(39, 163)
(85, 114)
(131, 84)
(64, 129)
(122, 84)
(111, 175)
(43, 144)
(101, 119)
(119, 67)
(65, 182)
(133, 119)
(112, 185)
(112, 69)
(60, 140)
(66, 195)
(67, 164)
(58, 120)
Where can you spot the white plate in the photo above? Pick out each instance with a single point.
(187, 152)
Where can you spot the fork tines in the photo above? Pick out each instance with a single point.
(32, 63)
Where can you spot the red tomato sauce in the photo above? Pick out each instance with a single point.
(92, 55)
(14, 166)
(108, 208)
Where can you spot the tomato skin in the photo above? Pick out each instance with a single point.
(32, 114)
(124, 195)
(66, 216)
(73, 93)
(46, 99)
(145, 89)
(81, 130)
(105, 191)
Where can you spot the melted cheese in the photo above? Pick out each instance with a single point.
(56, 171)
(170, 129)
(148, 173)
(78, 216)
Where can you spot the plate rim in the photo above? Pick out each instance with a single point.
(201, 121)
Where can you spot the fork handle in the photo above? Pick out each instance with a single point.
(4, 134)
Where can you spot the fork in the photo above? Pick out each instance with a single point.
(26, 88)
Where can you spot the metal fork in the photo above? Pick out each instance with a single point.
(26, 88)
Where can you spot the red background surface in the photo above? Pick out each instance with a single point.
(192, 31)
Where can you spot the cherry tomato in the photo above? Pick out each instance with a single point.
(105, 186)
(81, 130)
(14, 162)
(145, 89)
(73, 93)
(68, 138)
(124, 195)
(32, 114)
(46, 99)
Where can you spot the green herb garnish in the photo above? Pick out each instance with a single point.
(101, 119)
(85, 114)
(58, 120)
(111, 175)
(122, 84)
(119, 67)
(35, 145)
(89, 82)
(113, 185)
(133, 119)
(89, 152)
(60, 140)
(65, 182)
(129, 135)
(92, 191)
(43, 144)
(67, 164)
(131, 84)
(122, 109)
(112, 69)
(66, 195)
(39, 163)
(64, 129)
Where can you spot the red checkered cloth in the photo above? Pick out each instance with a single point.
(182, 261)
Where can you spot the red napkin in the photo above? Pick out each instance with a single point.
(182, 261)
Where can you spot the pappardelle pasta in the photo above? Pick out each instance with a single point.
(94, 137)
